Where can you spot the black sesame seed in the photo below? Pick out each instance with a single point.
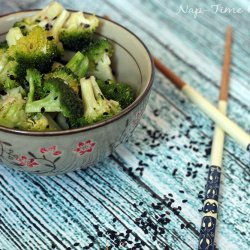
(49, 38)
(76, 244)
(12, 77)
(86, 25)
(181, 191)
(174, 172)
(182, 226)
(53, 245)
(184, 201)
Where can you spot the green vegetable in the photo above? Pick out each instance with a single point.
(8, 72)
(78, 64)
(12, 113)
(78, 31)
(99, 53)
(120, 92)
(66, 75)
(35, 51)
(51, 19)
(59, 97)
(96, 106)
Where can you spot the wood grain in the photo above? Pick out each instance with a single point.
(120, 202)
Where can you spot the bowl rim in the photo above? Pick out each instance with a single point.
(101, 123)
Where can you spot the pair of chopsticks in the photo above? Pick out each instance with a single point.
(223, 124)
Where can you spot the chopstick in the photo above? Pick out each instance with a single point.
(210, 208)
(230, 127)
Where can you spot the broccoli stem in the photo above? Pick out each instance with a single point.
(78, 64)
(88, 98)
(47, 104)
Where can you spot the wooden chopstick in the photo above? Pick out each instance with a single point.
(230, 127)
(210, 208)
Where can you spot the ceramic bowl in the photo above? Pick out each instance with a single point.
(52, 153)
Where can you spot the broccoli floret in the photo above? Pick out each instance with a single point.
(66, 75)
(13, 35)
(13, 115)
(40, 122)
(8, 72)
(120, 92)
(96, 106)
(12, 112)
(8, 75)
(59, 97)
(35, 51)
(78, 64)
(78, 31)
(51, 18)
(99, 53)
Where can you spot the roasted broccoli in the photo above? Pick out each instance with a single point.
(12, 112)
(8, 72)
(59, 97)
(78, 64)
(96, 106)
(78, 31)
(66, 75)
(35, 50)
(51, 18)
(99, 53)
(120, 92)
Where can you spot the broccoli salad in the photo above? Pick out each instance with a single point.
(40, 91)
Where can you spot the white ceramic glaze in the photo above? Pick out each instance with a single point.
(51, 153)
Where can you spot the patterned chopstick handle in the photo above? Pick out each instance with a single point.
(208, 223)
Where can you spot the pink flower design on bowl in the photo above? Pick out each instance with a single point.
(53, 149)
(84, 147)
(28, 162)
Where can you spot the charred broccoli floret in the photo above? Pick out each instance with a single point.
(96, 106)
(78, 31)
(78, 64)
(99, 53)
(35, 50)
(120, 92)
(66, 75)
(59, 97)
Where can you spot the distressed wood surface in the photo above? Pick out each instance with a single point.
(147, 195)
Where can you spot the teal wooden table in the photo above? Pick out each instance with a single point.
(148, 195)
